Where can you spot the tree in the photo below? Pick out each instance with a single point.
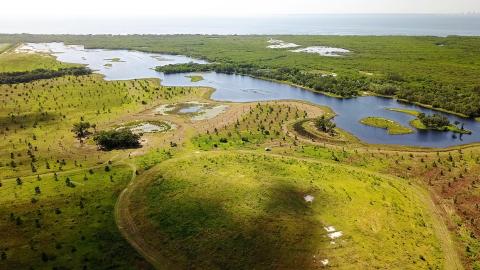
(325, 125)
(117, 139)
(81, 129)
(37, 190)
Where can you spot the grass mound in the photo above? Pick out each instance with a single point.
(392, 127)
(252, 211)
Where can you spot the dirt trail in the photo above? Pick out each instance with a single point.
(126, 222)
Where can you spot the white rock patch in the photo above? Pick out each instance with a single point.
(323, 50)
(335, 235)
(210, 113)
(309, 198)
(324, 262)
(280, 44)
(163, 109)
(147, 128)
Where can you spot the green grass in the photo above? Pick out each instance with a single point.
(250, 211)
(73, 226)
(36, 118)
(407, 111)
(195, 78)
(12, 62)
(391, 126)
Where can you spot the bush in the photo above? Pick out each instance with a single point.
(117, 139)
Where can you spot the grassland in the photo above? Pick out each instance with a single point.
(58, 194)
(49, 224)
(13, 62)
(407, 111)
(391, 126)
(250, 210)
(210, 186)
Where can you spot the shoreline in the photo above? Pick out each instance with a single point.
(290, 83)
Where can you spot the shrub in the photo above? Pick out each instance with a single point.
(117, 139)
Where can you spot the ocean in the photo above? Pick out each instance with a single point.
(342, 24)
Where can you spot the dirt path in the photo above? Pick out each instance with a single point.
(126, 222)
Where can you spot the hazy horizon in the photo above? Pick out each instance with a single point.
(48, 9)
(291, 24)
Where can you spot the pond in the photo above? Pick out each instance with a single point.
(237, 88)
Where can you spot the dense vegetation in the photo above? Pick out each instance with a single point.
(340, 86)
(38, 74)
(434, 121)
(416, 69)
(117, 139)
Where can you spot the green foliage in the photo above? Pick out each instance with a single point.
(324, 124)
(81, 129)
(38, 74)
(343, 86)
(117, 139)
(434, 121)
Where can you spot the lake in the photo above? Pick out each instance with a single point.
(124, 64)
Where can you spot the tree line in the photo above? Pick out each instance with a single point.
(341, 86)
(464, 101)
(39, 74)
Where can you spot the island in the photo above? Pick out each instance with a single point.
(195, 78)
(432, 122)
(392, 127)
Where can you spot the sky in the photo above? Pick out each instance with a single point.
(48, 9)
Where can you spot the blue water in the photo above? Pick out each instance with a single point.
(352, 24)
(237, 88)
